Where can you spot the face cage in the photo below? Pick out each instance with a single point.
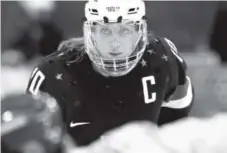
(115, 67)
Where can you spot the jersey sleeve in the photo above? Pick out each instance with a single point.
(180, 63)
(36, 82)
(41, 78)
(180, 94)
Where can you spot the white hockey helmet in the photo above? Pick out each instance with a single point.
(115, 34)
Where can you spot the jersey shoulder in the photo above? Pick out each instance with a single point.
(51, 68)
(164, 49)
(163, 45)
(173, 52)
(70, 51)
(177, 65)
(157, 42)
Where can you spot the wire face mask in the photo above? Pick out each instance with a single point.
(115, 48)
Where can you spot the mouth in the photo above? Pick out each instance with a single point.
(115, 54)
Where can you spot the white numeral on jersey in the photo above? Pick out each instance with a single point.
(36, 81)
(145, 81)
(173, 48)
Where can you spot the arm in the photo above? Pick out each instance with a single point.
(180, 97)
(36, 82)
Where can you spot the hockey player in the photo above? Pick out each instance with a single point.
(116, 75)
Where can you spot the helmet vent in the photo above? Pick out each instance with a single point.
(94, 11)
(132, 10)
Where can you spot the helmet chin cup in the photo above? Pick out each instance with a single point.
(115, 68)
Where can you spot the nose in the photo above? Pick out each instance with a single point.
(116, 45)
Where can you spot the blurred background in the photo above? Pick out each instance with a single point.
(33, 29)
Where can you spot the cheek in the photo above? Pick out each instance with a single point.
(100, 41)
(102, 48)
(97, 38)
(129, 44)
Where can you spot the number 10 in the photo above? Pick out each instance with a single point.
(145, 81)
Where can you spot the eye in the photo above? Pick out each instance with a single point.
(105, 31)
(125, 31)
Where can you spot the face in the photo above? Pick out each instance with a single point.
(115, 40)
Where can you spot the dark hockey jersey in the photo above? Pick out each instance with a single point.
(93, 104)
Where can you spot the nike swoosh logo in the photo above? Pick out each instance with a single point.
(78, 124)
